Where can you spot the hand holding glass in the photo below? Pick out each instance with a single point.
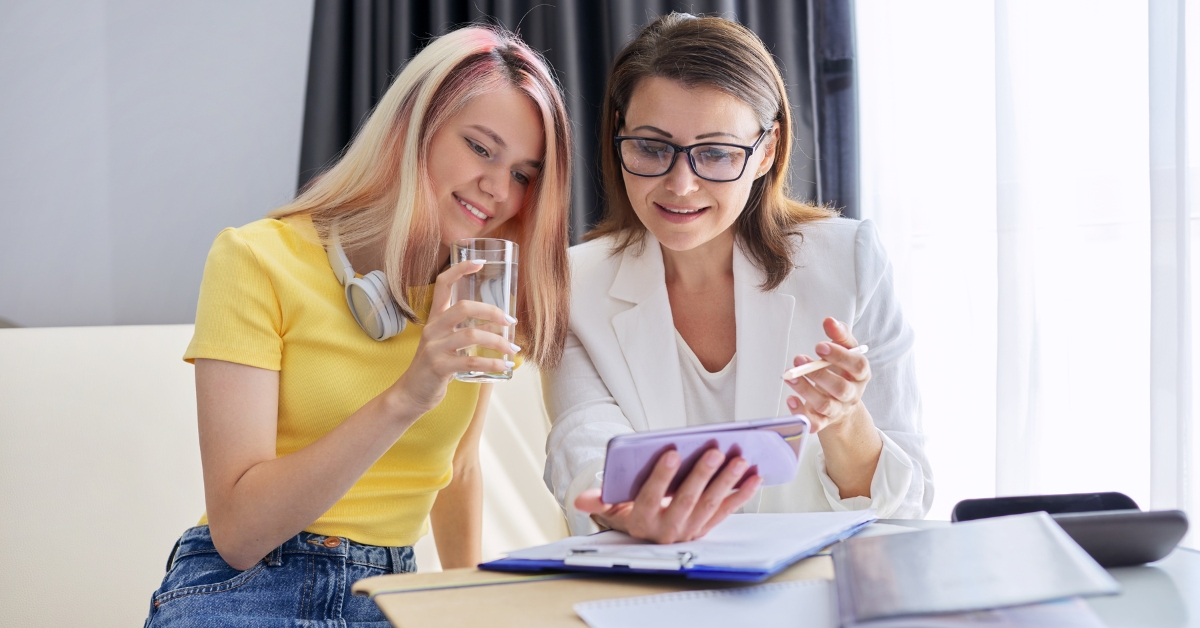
(494, 284)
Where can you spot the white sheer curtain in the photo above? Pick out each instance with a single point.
(1025, 161)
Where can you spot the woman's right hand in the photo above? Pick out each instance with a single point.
(701, 502)
(423, 384)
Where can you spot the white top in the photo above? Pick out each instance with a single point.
(621, 372)
(707, 397)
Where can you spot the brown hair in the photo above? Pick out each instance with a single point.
(380, 189)
(718, 53)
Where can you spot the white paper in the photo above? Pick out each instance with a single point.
(807, 603)
(748, 541)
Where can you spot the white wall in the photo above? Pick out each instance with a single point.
(131, 132)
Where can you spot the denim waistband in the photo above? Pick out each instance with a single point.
(199, 540)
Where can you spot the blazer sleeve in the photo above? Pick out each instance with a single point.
(902, 487)
(584, 416)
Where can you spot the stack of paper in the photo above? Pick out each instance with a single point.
(807, 603)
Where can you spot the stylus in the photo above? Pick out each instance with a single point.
(812, 367)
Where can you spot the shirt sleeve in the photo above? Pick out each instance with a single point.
(902, 486)
(238, 317)
(584, 416)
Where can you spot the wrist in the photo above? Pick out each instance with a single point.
(853, 427)
(399, 405)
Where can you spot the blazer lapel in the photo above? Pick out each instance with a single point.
(646, 336)
(764, 323)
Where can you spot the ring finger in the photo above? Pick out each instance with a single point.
(474, 337)
(814, 398)
(835, 386)
(816, 420)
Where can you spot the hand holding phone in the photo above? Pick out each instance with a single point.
(648, 467)
(771, 447)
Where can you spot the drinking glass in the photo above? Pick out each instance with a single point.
(494, 284)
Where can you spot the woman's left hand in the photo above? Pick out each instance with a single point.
(831, 395)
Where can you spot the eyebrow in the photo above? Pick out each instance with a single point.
(533, 163)
(490, 133)
(654, 129)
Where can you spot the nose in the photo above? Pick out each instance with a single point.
(495, 184)
(680, 179)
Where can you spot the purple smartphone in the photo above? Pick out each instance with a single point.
(771, 446)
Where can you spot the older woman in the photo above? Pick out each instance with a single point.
(704, 282)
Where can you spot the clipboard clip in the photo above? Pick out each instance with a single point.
(595, 557)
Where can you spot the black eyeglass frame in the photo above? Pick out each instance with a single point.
(688, 151)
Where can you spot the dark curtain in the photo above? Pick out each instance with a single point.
(359, 46)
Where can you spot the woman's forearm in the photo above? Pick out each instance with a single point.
(457, 519)
(852, 447)
(457, 514)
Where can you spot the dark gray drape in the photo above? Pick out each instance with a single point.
(359, 46)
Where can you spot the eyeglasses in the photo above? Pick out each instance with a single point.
(711, 161)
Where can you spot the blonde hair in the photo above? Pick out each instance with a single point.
(380, 187)
(723, 54)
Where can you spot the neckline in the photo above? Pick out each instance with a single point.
(699, 365)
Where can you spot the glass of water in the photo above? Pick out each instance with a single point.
(494, 284)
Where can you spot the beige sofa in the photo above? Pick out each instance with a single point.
(100, 470)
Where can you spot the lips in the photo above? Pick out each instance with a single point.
(478, 213)
(680, 214)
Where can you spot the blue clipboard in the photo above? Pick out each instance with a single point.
(683, 565)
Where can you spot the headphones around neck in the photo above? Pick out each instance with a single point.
(369, 299)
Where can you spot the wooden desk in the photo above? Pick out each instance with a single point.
(1165, 593)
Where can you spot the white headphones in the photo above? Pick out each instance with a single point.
(369, 299)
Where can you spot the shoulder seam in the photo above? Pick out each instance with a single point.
(270, 280)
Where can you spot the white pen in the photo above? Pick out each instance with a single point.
(811, 367)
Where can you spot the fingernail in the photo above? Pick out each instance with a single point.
(509, 364)
(478, 261)
(515, 348)
(793, 402)
(739, 467)
(823, 349)
(672, 460)
(803, 359)
(510, 319)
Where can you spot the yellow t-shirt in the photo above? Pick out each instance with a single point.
(269, 299)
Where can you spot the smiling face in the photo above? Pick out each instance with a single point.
(682, 210)
(483, 162)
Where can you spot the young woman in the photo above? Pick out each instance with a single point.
(328, 443)
(704, 282)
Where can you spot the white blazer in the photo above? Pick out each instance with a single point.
(620, 370)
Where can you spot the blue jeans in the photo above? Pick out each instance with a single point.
(304, 582)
